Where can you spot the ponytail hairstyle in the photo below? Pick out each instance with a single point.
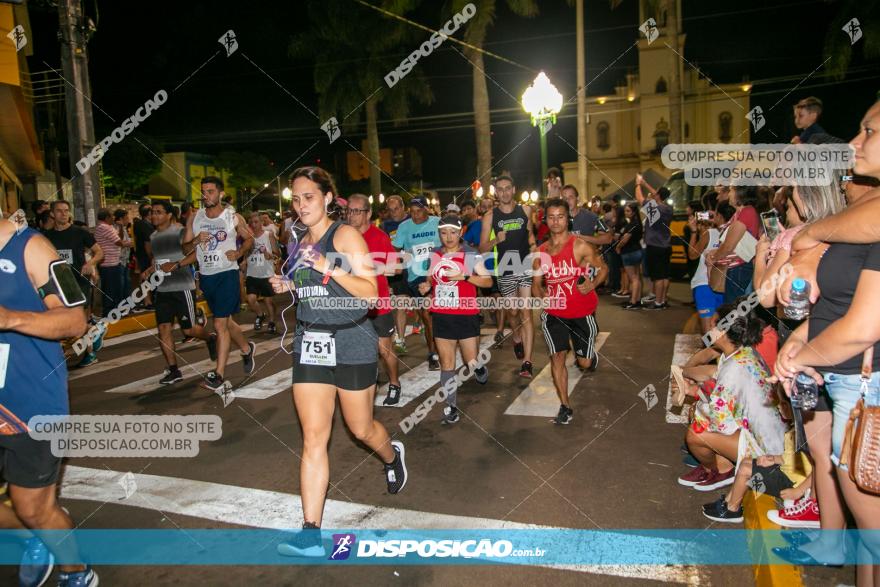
(747, 329)
(325, 183)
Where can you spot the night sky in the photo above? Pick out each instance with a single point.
(141, 47)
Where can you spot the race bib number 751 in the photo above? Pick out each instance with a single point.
(318, 348)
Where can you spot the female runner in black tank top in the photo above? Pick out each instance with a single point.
(313, 192)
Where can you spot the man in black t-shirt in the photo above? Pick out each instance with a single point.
(143, 228)
(72, 242)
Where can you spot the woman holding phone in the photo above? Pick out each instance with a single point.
(335, 349)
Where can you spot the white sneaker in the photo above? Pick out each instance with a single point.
(648, 298)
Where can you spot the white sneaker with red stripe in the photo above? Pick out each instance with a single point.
(804, 513)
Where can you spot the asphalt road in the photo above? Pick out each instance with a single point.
(614, 466)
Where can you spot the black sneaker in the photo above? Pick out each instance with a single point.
(593, 364)
(620, 294)
(272, 329)
(171, 375)
(519, 350)
(526, 370)
(655, 306)
(214, 382)
(248, 360)
(306, 543)
(718, 511)
(631, 306)
(451, 415)
(393, 395)
(482, 375)
(499, 340)
(211, 343)
(258, 323)
(433, 362)
(395, 471)
(564, 416)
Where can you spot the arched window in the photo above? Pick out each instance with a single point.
(660, 88)
(725, 121)
(602, 136)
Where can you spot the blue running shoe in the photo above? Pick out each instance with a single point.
(86, 578)
(88, 359)
(98, 343)
(37, 563)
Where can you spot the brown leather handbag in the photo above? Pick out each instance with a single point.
(861, 441)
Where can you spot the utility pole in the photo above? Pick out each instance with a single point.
(675, 124)
(78, 100)
(581, 101)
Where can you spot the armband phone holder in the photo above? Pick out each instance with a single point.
(62, 283)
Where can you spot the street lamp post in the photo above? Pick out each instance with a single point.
(543, 102)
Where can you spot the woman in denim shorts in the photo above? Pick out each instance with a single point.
(842, 325)
(630, 250)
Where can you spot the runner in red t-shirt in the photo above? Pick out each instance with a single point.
(383, 254)
(456, 272)
(571, 269)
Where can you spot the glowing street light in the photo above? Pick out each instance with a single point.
(534, 196)
(381, 198)
(371, 200)
(525, 196)
(479, 192)
(286, 193)
(543, 102)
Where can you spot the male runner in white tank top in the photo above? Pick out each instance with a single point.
(212, 233)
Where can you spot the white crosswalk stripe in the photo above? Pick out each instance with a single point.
(191, 370)
(539, 398)
(230, 504)
(419, 379)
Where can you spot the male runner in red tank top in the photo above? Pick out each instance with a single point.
(568, 271)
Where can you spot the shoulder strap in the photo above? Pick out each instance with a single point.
(331, 233)
(867, 367)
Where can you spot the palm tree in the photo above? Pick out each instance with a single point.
(838, 50)
(475, 34)
(349, 69)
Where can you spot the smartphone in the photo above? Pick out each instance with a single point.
(771, 224)
(704, 216)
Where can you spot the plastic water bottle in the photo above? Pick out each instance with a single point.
(798, 307)
(804, 392)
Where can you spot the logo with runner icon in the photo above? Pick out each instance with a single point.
(216, 238)
(342, 546)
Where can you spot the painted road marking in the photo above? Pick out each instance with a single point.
(260, 508)
(266, 387)
(191, 370)
(685, 346)
(539, 398)
(419, 379)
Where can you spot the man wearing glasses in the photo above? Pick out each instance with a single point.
(384, 257)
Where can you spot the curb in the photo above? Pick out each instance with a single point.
(143, 321)
(768, 574)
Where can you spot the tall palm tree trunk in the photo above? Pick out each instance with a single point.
(482, 126)
(373, 147)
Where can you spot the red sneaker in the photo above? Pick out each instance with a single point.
(716, 480)
(696, 475)
(803, 514)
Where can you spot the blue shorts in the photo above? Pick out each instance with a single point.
(845, 391)
(631, 258)
(222, 292)
(413, 286)
(707, 301)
